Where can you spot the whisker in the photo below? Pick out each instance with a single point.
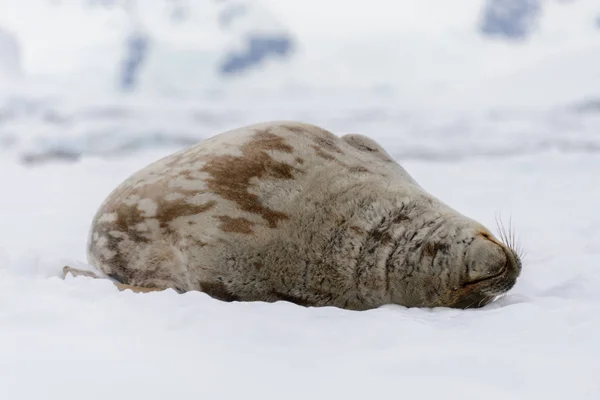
(481, 301)
(474, 301)
(501, 229)
(512, 234)
(470, 305)
(509, 236)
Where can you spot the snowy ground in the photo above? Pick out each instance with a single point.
(80, 338)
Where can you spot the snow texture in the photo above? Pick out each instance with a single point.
(81, 338)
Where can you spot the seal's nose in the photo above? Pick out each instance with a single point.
(485, 259)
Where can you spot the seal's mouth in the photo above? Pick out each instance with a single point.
(483, 291)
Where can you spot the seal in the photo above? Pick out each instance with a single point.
(288, 211)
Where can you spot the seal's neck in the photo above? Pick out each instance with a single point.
(396, 246)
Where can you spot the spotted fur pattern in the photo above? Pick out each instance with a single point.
(289, 211)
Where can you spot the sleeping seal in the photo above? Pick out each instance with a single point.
(289, 211)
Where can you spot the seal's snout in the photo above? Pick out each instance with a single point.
(486, 259)
(491, 270)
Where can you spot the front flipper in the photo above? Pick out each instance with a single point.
(78, 272)
(121, 286)
(136, 289)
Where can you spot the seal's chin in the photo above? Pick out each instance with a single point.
(473, 300)
(483, 291)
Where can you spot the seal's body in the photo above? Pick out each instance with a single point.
(289, 211)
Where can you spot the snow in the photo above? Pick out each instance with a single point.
(81, 338)
(40, 126)
(83, 44)
(425, 50)
(10, 63)
(487, 125)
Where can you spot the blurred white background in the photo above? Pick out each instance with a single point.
(100, 76)
(426, 52)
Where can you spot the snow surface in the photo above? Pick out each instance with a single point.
(81, 338)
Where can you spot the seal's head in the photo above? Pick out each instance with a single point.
(490, 268)
(457, 263)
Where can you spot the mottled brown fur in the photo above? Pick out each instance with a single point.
(357, 230)
(169, 210)
(357, 169)
(231, 175)
(321, 138)
(323, 154)
(218, 291)
(238, 225)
